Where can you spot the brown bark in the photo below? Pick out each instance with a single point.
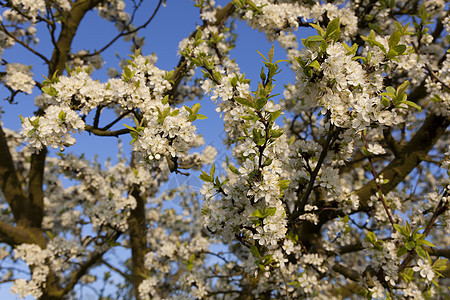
(137, 229)
(10, 184)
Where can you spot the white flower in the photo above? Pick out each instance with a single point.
(377, 291)
(424, 267)
(19, 77)
(376, 149)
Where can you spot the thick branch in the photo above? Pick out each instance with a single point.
(12, 235)
(410, 157)
(35, 201)
(137, 229)
(438, 252)
(9, 183)
(68, 31)
(347, 272)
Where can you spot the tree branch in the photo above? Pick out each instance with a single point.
(182, 67)
(95, 257)
(347, 272)
(101, 132)
(412, 155)
(12, 235)
(9, 182)
(298, 209)
(3, 28)
(125, 33)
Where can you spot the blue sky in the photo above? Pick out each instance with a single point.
(172, 23)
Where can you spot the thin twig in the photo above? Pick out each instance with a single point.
(3, 28)
(312, 179)
(124, 33)
(440, 209)
(380, 192)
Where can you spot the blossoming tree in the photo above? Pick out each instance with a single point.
(337, 188)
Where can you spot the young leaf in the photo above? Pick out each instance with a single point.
(233, 169)
(271, 51)
(254, 250)
(421, 252)
(244, 101)
(257, 214)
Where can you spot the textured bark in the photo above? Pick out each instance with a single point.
(9, 182)
(68, 31)
(409, 158)
(137, 229)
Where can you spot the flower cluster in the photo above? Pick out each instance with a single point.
(33, 8)
(19, 77)
(32, 255)
(53, 129)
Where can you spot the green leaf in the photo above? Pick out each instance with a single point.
(391, 90)
(188, 109)
(244, 101)
(212, 171)
(315, 38)
(254, 250)
(319, 29)
(274, 115)
(391, 54)
(409, 103)
(385, 101)
(283, 183)
(165, 100)
(260, 102)
(408, 274)
(276, 133)
(400, 49)
(261, 142)
(262, 75)
(271, 52)
(403, 87)
(205, 177)
(401, 230)
(49, 90)
(267, 162)
(196, 107)
(262, 55)
(410, 245)
(333, 30)
(271, 211)
(50, 234)
(62, 116)
(394, 39)
(421, 252)
(387, 94)
(401, 251)
(29, 133)
(201, 117)
(371, 237)
(257, 214)
(198, 35)
(440, 264)
(130, 128)
(127, 73)
(425, 242)
(233, 169)
(315, 64)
